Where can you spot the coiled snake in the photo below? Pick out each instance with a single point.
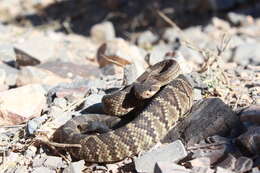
(152, 105)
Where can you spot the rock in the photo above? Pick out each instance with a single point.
(207, 118)
(191, 54)
(255, 170)
(23, 103)
(43, 170)
(238, 19)
(228, 163)
(200, 162)
(39, 45)
(169, 152)
(169, 167)
(71, 70)
(53, 162)
(24, 59)
(102, 32)
(112, 69)
(202, 170)
(77, 89)
(125, 51)
(251, 114)
(158, 52)
(146, 39)
(214, 154)
(171, 35)
(31, 151)
(130, 74)
(11, 74)
(7, 53)
(247, 53)
(243, 164)
(60, 102)
(35, 123)
(75, 167)
(222, 170)
(250, 140)
(35, 75)
(21, 169)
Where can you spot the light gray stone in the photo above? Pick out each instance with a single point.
(169, 152)
(102, 32)
(7, 53)
(11, 74)
(169, 167)
(75, 167)
(35, 123)
(53, 162)
(130, 74)
(43, 170)
(146, 39)
(247, 53)
(237, 19)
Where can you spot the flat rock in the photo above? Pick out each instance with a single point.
(71, 70)
(38, 45)
(169, 152)
(208, 117)
(169, 167)
(35, 75)
(251, 114)
(22, 103)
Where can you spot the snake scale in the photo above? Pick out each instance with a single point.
(156, 101)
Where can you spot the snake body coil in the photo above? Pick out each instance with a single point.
(160, 113)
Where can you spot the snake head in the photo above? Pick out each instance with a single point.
(144, 91)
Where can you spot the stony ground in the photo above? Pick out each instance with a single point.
(47, 76)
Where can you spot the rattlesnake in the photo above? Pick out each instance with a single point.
(156, 101)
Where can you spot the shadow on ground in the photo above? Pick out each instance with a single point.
(79, 15)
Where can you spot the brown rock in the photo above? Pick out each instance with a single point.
(251, 114)
(208, 117)
(35, 75)
(229, 162)
(24, 59)
(250, 140)
(20, 104)
(71, 70)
